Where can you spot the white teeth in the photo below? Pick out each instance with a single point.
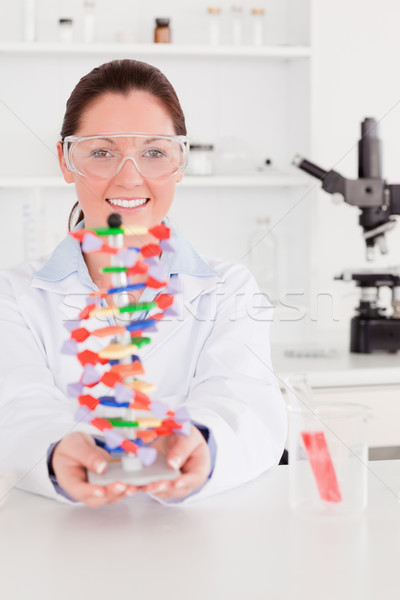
(127, 203)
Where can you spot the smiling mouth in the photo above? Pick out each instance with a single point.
(123, 203)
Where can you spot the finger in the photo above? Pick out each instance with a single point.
(157, 487)
(194, 475)
(165, 490)
(115, 491)
(132, 490)
(183, 446)
(71, 458)
(81, 449)
(112, 493)
(79, 489)
(194, 472)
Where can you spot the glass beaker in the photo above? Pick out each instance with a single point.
(328, 457)
(328, 454)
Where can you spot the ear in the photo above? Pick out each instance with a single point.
(179, 177)
(68, 175)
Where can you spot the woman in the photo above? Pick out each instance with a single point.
(214, 357)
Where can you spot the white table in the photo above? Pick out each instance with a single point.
(244, 544)
(339, 369)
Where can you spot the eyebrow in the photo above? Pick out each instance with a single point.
(106, 139)
(147, 140)
(152, 139)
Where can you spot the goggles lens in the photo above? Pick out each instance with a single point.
(103, 156)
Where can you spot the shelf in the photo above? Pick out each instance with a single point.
(254, 181)
(190, 181)
(126, 50)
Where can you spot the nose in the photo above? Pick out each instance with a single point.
(128, 173)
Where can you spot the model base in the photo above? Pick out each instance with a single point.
(158, 471)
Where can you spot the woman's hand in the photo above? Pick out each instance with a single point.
(72, 457)
(189, 454)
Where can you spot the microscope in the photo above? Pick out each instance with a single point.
(374, 328)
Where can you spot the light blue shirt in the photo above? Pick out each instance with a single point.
(67, 258)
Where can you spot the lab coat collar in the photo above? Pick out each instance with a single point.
(66, 271)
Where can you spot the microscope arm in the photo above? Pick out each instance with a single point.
(377, 201)
(364, 193)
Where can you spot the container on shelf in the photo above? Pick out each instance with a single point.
(29, 21)
(257, 26)
(214, 25)
(266, 166)
(236, 24)
(234, 156)
(201, 160)
(125, 36)
(89, 21)
(162, 31)
(66, 30)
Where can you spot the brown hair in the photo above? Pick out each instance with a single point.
(120, 77)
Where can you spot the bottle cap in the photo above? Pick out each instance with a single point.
(162, 22)
(65, 21)
(201, 147)
(214, 10)
(257, 11)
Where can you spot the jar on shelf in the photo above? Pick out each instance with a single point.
(66, 30)
(29, 20)
(201, 159)
(162, 31)
(237, 24)
(257, 26)
(262, 257)
(89, 21)
(214, 25)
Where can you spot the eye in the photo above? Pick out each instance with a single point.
(101, 153)
(154, 153)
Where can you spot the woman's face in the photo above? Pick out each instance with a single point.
(136, 112)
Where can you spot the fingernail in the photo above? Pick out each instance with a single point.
(130, 492)
(180, 483)
(119, 487)
(100, 466)
(175, 463)
(160, 488)
(98, 493)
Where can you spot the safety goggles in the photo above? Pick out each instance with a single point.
(103, 156)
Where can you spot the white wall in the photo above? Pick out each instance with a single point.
(355, 51)
(356, 54)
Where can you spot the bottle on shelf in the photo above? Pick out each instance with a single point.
(257, 26)
(29, 21)
(214, 25)
(236, 24)
(66, 30)
(201, 160)
(89, 21)
(262, 258)
(162, 31)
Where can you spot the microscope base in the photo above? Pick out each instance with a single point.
(371, 335)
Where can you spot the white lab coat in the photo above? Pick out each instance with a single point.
(213, 357)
